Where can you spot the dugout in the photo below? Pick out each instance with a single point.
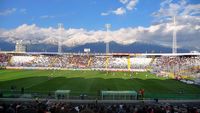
(62, 94)
(118, 95)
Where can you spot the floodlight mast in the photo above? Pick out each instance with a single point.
(108, 26)
(60, 28)
(174, 45)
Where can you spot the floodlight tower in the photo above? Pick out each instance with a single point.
(60, 28)
(174, 45)
(108, 26)
(20, 47)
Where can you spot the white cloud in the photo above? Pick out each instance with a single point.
(131, 5)
(169, 8)
(128, 5)
(12, 10)
(188, 30)
(192, 10)
(119, 11)
(23, 10)
(187, 15)
(7, 11)
(104, 14)
(47, 17)
(187, 35)
(123, 1)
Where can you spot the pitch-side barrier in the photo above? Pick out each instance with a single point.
(89, 69)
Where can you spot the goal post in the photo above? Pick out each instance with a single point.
(118, 95)
(62, 94)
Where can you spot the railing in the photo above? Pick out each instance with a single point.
(75, 95)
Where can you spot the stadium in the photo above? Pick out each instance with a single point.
(89, 74)
(147, 63)
(104, 77)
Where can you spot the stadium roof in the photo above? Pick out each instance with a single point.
(109, 54)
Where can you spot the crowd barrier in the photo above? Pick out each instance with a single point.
(75, 95)
(58, 68)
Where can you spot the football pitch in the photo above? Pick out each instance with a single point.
(92, 82)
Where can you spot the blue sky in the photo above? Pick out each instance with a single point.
(75, 13)
(148, 21)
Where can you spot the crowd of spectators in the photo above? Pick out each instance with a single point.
(98, 62)
(63, 107)
(177, 64)
(80, 61)
(140, 62)
(65, 61)
(181, 64)
(4, 59)
(118, 63)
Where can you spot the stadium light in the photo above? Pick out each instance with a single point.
(174, 45)
(108, 26)
(60, 28)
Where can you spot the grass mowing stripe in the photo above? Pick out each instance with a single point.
(92, 82)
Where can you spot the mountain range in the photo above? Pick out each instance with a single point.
(99, 47)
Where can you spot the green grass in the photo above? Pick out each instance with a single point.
(92, 82)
